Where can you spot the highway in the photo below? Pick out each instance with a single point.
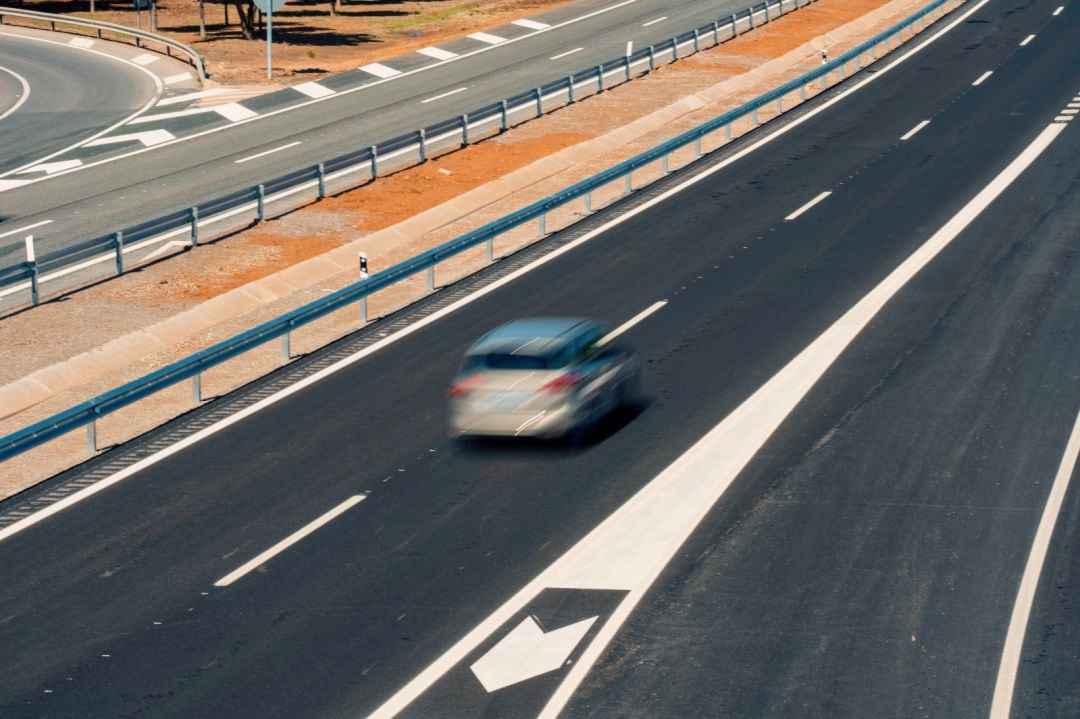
(55, 96)
(854, 413)
(122, 183)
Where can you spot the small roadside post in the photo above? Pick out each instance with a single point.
(268, 7)
(363, 276)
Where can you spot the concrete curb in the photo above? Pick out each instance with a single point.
(48, 382)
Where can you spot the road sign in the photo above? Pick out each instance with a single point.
(269, 6)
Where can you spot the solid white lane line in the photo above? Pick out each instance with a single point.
(566, 54)
(22, 98)
(1001, 706)
(653, 22)
(807, 206)
(289, 541)
(487, 38)
(1058, 11)
(1026, 40)
(268, 152)
(632, 321)
(629, 549)
(434, 317)
(911, 133)
(982, 78)
(24, 229)
(379, 70)
(445, 94)
(148, 138)
(438, 53)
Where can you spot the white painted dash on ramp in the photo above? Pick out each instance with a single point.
(379, 70)
(487, 38)
(438, 53)
(531, 24)
(313, 89)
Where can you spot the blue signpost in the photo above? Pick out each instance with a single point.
(268, 7)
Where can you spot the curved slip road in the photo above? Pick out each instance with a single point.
(865, 561)
(65, 95)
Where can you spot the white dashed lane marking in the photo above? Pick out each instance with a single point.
(807, 206)
(445, 94)
(653, 22)
(313, 89)
(566, 54)
(982, 78)
(438, 53)
(267, 152)
(487, 37)
(911, 133)
(1026, 40)
(380, 70)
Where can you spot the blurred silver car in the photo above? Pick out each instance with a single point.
(540, 377)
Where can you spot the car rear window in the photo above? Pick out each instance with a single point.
(506, 360)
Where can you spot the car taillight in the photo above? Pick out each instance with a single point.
(465, 385)
(563, 383)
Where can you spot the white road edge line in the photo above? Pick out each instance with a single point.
(807, 206)
(911, 133)
(982, 78)
(24, 229)
(341, 364)
(267, 152)
(1058, 11)
(631, 547)
(445, 94)
(289, 541)
(568, 53)
(632, 321)
(1001, 706)
(1026, 40)
(25, 92)
(653, 22)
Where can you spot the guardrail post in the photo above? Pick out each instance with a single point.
(766, 10)
(31, 261)
(539, 102)
(196, 387)
(751, 9)
(652, 58)
(626, 60)
(664, 165)
(697, 146)
(734, 31)
(599, 78)
(779, 105)
(91, 434)
(753, 115)
(194, 226)
(570, 89)
(320, 170)
(697, 42)
(715, 33)
(629, 182)
(261, 206)
(423, 145)
(489, 249)
(118, 248)
(674, 49)
(286, 344)
(541, 225)
(464, 130)
(802, 92)
(873, 52)
(374, 162)
(502, 106)
(431, 279)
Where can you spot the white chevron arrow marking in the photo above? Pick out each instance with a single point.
(50, 167)
(148, 138)
(528, 651)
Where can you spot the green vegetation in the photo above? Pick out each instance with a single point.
(426, 18)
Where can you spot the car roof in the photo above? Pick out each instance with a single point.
(535, 335)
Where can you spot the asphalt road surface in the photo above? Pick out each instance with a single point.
(870, 455)
(59, 96)
(284, 131)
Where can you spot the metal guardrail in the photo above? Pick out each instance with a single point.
(192, 367)
(122, 246)
(99, 26)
